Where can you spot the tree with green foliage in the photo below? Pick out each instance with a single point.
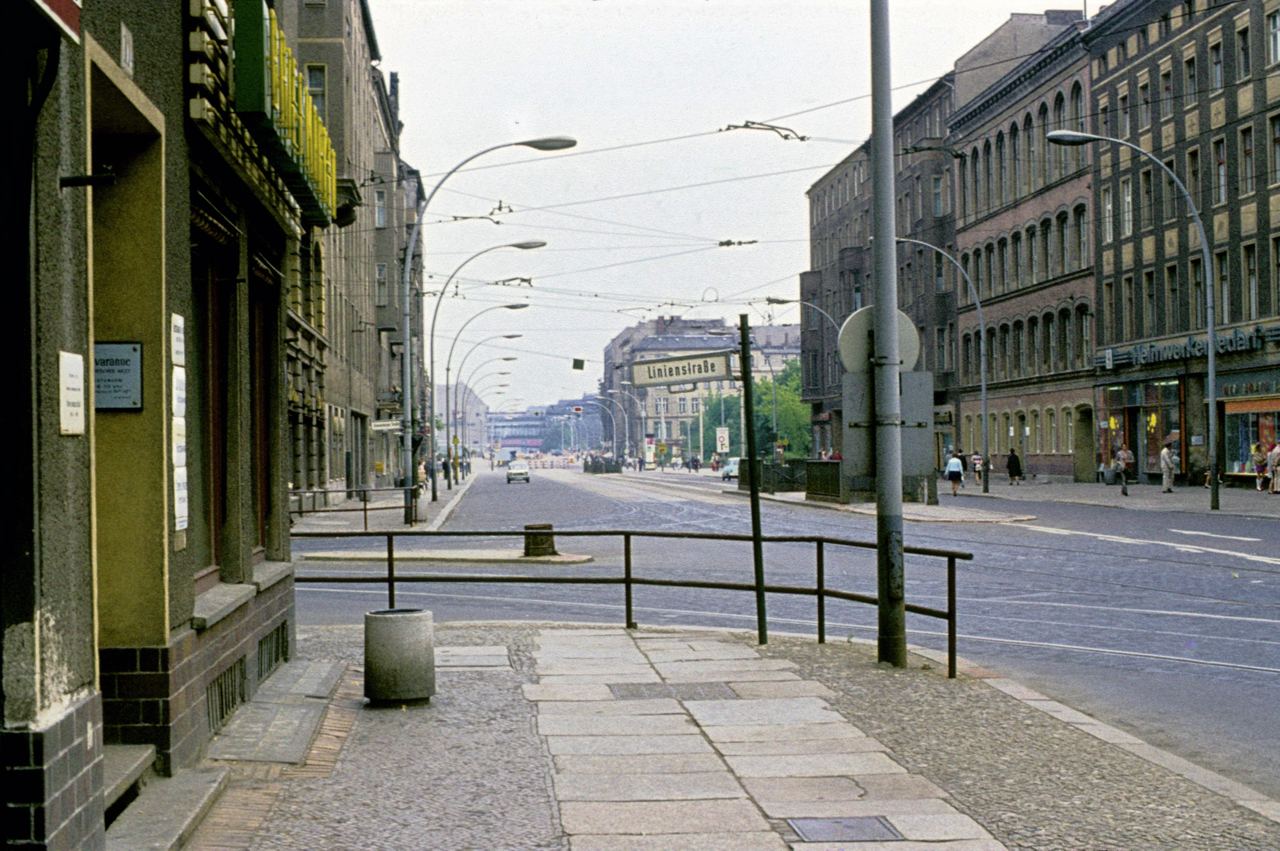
(793, 416)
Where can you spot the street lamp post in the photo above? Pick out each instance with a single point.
(982, 356)
(447, 446)
(626, 428)
(639, 407)
(546, 143)
(1073, 137)
(460, 402)
(612, 420)
(431, 336)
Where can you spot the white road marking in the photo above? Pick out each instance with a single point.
(1185, 548)
(1212, 535)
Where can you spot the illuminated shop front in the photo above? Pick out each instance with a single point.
(1143, 415)
(1251, 410)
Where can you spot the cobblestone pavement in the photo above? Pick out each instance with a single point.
(556, 736)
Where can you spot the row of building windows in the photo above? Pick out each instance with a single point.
(1054, 247)
(1049, 431)
(1018, 162)
(1055, 341)
(1154, 303)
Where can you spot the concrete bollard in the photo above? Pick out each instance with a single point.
(538, 540)
(399, 655)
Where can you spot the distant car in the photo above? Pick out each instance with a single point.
(518, 471)
(730, 469)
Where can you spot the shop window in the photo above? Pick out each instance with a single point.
(1248, 423)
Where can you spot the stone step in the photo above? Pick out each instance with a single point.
(122, 767)
(167, 810)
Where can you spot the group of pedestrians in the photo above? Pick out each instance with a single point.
(1266, 466)
(955, 470)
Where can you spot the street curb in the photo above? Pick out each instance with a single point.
(871, 511)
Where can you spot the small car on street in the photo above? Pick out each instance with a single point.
(518, 471)
(729, 470)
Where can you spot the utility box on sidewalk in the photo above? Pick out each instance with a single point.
(539, 540)
(399, 655)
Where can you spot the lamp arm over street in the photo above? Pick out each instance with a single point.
(1075, 137)
(982, 355)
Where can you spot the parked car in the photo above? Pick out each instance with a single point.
(730, 469)
(518, 471)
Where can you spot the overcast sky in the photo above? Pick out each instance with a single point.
(632, 216)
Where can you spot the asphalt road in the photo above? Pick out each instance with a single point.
(1161, 623)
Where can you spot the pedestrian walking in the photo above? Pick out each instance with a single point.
(976, 460)
(1015, 468)
(1168, 466)
(1258, 460)
(964, 464)
(1122, 461)
(1273, 467)
(955, 473)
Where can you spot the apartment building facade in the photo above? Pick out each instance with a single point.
(1193, 83)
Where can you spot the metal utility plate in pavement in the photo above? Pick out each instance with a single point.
(280, 722)
(851, 829)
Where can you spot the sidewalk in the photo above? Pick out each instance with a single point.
(554, 736)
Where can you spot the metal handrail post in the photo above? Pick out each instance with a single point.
(951, 617)
(626, 572)
(391, 571)
(822, 597)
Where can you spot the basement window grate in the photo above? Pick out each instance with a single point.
(224, 694)
(273, 650)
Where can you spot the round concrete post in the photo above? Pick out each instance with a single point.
(399, 655)
(539, 540)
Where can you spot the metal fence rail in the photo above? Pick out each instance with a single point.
(629, 580)
(361, 494)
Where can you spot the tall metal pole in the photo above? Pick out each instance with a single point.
(982, 356)
(757, 544)
(1072, 137)
(892, 638)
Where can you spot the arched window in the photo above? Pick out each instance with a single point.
(1081, 232)
(1081, 328)
(1035, 264)
(1050, 342)
(1046, 248)
(1064, 339)
(1015, 258)
(966, 358)
(1015, 163)
(1042, 154)
(1034, 445)
(1068, 431)
(1051, 431)
(1002, 278)
(964, 188)
(1028, 136)
(1064, 244)
(1019, 350)
(1006, 432)
(1060, 123)
(1077, 122)
(1002, 171)
(991, 269)
(988, 178)
(976, 208)
(1033, 346)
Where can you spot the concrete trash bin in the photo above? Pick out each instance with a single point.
(399, 655)
(539, 539)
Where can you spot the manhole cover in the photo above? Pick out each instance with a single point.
(679, 691)
(853, 829)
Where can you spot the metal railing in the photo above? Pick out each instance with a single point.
(362, 494)
(629, 580)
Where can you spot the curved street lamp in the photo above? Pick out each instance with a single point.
(448, 448)
(982, 357)
(627, 417)
(431, 336)
(545, 143)
(613, 420)
(1073, 137)
(626, 428)
(459, 401)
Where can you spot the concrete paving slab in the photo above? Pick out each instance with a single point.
(563, 745)
(687, 786)
(168, 810)
(585, 679)
(729, 676)
(679, 763)
(898, 786)
(938, 828)
(567, 692)
(705, 654)
(789, 688)
(268, 732)
(653, 817)
(654, 706)
(681, 842)
(861, 744)
(643, 725)
(803, 788)
(301, 679)
(766, 710)
(958, 845)
(813, 765)
(716, 666)
(560, 668)
(854, 809)
(781, 732)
